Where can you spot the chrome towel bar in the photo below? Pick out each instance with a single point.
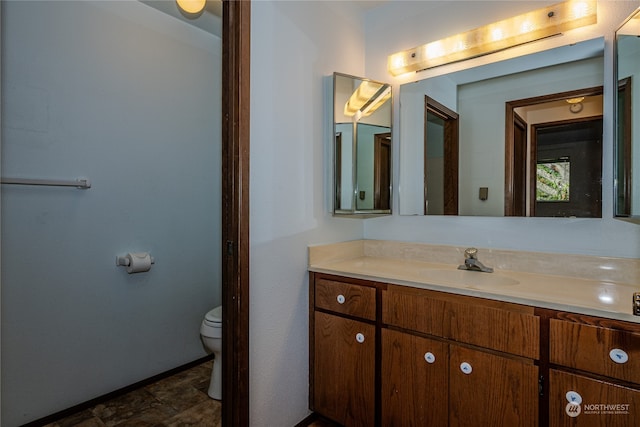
(81, 183)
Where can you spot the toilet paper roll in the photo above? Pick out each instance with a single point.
(139, 262)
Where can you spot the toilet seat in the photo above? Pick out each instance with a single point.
(214, 316)
(211, 326)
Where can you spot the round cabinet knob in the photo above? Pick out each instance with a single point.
(619, 355)
(340, 299)
(574, 397)
(466, 368)
(360, 337)
(429, 357)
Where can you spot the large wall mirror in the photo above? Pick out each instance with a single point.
(520, 137)
(627, 153)
(362, 117)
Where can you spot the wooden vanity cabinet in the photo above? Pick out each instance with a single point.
(415, 377)
(594, 378)
(446, 377)
(343, 351)
(500, 391)
(344, 370)
(388, 355)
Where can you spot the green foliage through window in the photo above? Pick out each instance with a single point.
(552, 181)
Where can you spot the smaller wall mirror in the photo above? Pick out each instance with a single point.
(362, 121)
(627, 147)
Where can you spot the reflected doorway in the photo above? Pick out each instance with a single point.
(554, 139)
(568, 169)
(381, 171)
(440, 159)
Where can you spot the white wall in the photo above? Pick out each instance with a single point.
(294, 46)
(129, 97)
(400, 25)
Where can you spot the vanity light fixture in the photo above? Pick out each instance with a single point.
(521, 29)
(366, 99)
(191, 8)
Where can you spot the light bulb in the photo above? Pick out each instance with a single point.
(191, 6)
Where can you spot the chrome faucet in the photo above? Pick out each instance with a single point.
(471, 262)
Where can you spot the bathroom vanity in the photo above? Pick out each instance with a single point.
(398, 340)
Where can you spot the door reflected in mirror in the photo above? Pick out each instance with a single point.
(362, 120)
(627, 146)
(502, 110)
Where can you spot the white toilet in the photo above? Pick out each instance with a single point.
(211, 335)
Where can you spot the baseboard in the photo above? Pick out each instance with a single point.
(318, 420)
(101, 399)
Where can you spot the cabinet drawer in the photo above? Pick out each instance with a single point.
(506, 327)
(589, 348)
(509, 328)
(414, 310)
(346, 298)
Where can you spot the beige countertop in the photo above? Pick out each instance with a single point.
(599, 286)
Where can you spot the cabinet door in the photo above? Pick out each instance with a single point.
(490, 390)
(344, 370)
(595, 403)
(414, 380)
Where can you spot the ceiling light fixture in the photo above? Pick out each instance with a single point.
(575, 100)
(191, 8)
(575, 104)
(521, 29)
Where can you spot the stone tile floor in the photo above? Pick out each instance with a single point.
(177, 401)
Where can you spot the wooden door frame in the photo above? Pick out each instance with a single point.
(624, 87)
(451, 154)
(521, 123)
(510, 106)
(236, 43)
(380, 139)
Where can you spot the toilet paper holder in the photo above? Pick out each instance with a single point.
(138, 262)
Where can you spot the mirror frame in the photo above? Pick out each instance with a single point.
(354, 212)
(624, 212)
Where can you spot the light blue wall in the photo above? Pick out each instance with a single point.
(129, 97)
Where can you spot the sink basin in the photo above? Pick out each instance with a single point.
(468, 279)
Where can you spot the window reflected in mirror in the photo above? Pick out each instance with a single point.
(553, 180)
